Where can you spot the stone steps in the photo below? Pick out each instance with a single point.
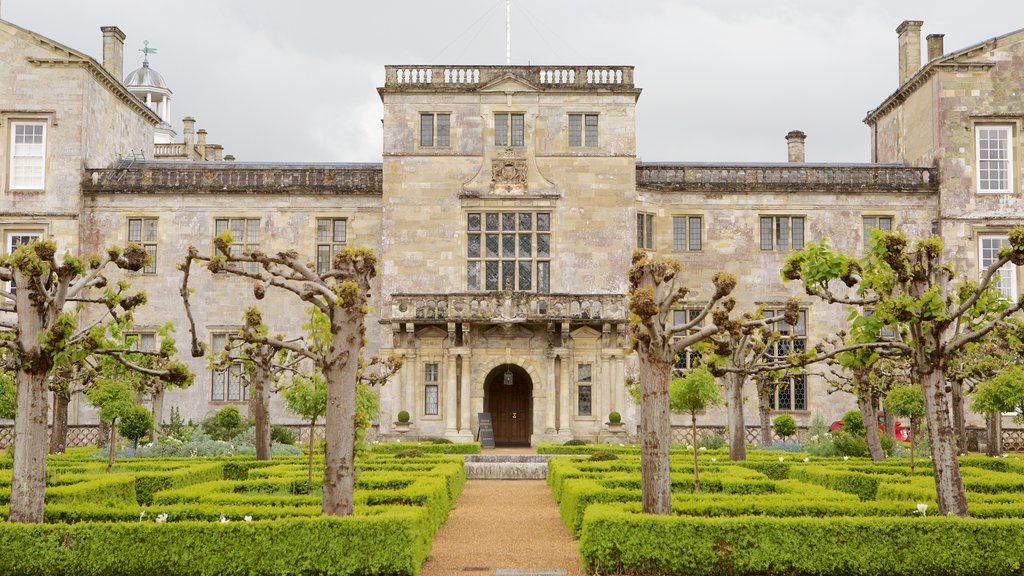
(506, 466)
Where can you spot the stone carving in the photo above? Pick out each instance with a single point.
(508, 172)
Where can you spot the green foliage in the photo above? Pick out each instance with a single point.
(440, 441)
(695, 391)
(428, 447)
(307, 397)
(282, 435)
(8, 395)
(575, 442)
(614, 417)
(225, 424)
(113, 398)
(176, 428)
(602, 456)
(784, 425)
(403, 416)
(409, 453)
(853, 423)
(136, 423)
(847, 444)
(1004, 393)
(711, 442)
(905, 401)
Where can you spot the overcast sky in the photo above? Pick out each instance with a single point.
(722, 80)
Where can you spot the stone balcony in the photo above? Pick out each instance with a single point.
(412, 77)
(168, 177)
(508, 308)
(784, 177)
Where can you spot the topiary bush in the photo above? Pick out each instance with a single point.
(440, 441)
(409, 453)
(853, 423)
(282, 435)
(847, 444)
(575, 442)
(614, 417)
(403, 416)
(713, 442)
(602, 456)
(136, 424)
(784, 426)
(225, 424)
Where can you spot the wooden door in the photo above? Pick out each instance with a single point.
(510, 411)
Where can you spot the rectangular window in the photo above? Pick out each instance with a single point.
(687, 233)
(331, 236)
(28, 155)
(883, 223)
(1006, 278)
(584, 390)
(142, 231)
(430, 393)
(644, 231)
(583, 130)
(509, 129)
(994, 146)
(508, 251)
(791, 392)
(689, 358)
(245, 237)
(782, 233)
(435, 130)
(15, 239)
(227, 384)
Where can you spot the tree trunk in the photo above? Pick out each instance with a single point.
(890, 424)
(867, 412)
(28, 472)
(59, 430)
(309, 478)
(765, 412)
(949, 485)
(158, 413)
(259, 408)
(339, 423)
(959, 419)
(737, 428)
(655, 436)
(696, 474)
(113, 445)
(993, 426)
(913, 433)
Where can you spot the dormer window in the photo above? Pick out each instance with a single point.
(509, 129)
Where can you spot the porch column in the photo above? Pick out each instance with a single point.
(466, 419)
(450, 394)
(550, 389)
(564, 398)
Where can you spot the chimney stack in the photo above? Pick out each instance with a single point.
(189, 132)
(217, 152)
(934, 46)
(795, 144)
(113, 51)
(909, 33)
(201, 144)
(229, 158)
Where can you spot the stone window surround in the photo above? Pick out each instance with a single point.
(243, 243)
(509, 130)
(588, 383)
(434, 136)
(534, 210)
(685, 246)
(38, 229)
(422, 393)
(586, 137)
(7, 117)
(979, 236)
(645, 230)
(1015, 123)
(805, 313)
(243, 392)
(150, 268)
(689, 357)
(761, 216)
(334, 245)
(877, 217)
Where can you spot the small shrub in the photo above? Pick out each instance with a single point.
(614, 417)
(784, 426)
(602, 456)
(403, 416)
(225, 424)
(853, 423)
(282, 435)
(440, 441)
(888, 444)
(136, 424)
(177, 428)
(850, 445)
(711, 442)
(575, 442)
(409, 453)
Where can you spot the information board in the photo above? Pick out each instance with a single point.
(485, 430)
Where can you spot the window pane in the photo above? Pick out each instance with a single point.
(220, 226)
(426, 129)
(508, 221)
(785, 396)
(525, 245)
(323, 258)
(492, 220)
(678, 233)
(591, 130)
(149, 230)
(798, 232)
(501, 129)
(443, 129)
(492, 275)
(584, 372)
(525, 275)
(650, 230)
(340, 230)
(543, 277)
(473, 221)
(799, 392)
(473, 248)
(492, 245)
(253, 228)
(766, 233)
(473, 276)
(508, 275)
(430, 372)
(639, 230)
(508, 245)
(696, 229)
(151, 267)
(885, 223)
(584, 406)
(525, 221)
(134, 230)
(575, 130)
(781, 232)
(323, 230)
(517, 130)
(430, 400)
(543, 222)
(543, 245)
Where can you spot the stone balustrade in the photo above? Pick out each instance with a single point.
(579, 77)
(785, 177)
(235, 177)
(169, 150)
(505, 307)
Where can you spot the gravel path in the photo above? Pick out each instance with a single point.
(509, 527)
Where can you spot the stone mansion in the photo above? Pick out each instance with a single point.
(505, 210)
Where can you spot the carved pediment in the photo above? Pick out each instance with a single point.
(585, 332)
(508, 83)
(431, 332)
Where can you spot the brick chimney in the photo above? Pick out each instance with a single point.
(795, 144)
(201, 144)
(934, 46)
(113, 51)
(909, 33)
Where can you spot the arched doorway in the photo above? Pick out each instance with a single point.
(508, 396)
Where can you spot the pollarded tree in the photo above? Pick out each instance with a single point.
(911, 291)
(655, 289)
(693, 392)
(907, 402)
(114, 399)
(342, 295)
(45, 326)
(1003, 393)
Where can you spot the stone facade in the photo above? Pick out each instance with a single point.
(505, 211)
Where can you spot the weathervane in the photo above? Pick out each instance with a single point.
(146, 51)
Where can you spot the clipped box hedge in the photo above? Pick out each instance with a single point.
(427, 447)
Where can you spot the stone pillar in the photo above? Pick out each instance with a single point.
(564, 396)
(411, 368)
(909, 34)
(935, 48)
(450, 395)
(550, 386)
(113, 51)
(466, 422)
(795, 145)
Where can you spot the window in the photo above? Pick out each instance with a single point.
(782, 233)
(146, 342)
(686, 233)
(994, 146)
(435, 130)
(15, 239)
(875, 223)
(583, 130)
(644, 230)
(508, 251)
(509, 129)
(430, 393)
(142, 231)
(227, 382)
(245, 237)
(689, 358)
(28, 155)
(331, 235)
(1006, 279)
(791, 391)
(584, 390)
